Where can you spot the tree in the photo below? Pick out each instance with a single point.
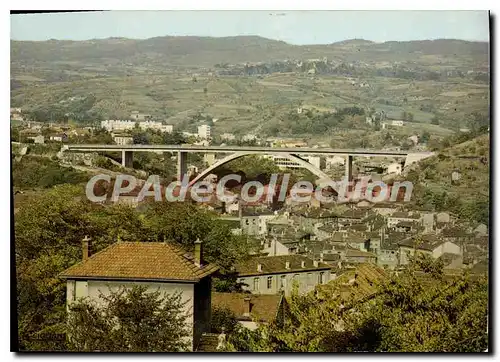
(132, 320)
(410, 117)
(418, 310)
(425, 137)
(223, 319)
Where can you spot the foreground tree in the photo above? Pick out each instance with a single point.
(132, 320)
(420, 310)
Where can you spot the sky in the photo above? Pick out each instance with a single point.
(294, 27)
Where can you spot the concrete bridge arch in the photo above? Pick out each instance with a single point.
(311, 168)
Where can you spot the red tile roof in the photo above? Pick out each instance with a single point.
(263, 307)
(140, 260)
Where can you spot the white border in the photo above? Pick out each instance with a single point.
(187, 5)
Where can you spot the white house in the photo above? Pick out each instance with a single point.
(157, 265)
(397, 123)
(395, 168)
(123, 139)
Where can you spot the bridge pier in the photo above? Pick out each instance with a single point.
(348, 167)
(181, 165)
(128, 159)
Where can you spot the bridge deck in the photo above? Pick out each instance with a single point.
(235, 149)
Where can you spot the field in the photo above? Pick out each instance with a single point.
(120, 80)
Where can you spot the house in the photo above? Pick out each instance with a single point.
(227, 137)
(251, 310)
(275, 248)
(159, 266)
(272, 274)
(397, 123)
(61, 137)
(356, 256)
(426, 244)
(400, 216)
(443, 217)
(123, 139)
(332, 161)
(137, 116)
(358, 284)
(395, 168)
(414, 139)
(481, 229)
(255, 223)
(37, 139)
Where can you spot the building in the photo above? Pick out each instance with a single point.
(355, 256)
(249, 138)
(157, 126)
(427, 244)
(251, 310)
(400, 216)
(62, 137)
(111, 125)
(37, 139)
(159, 266)
(137, 116)
(123, 139)
(275, 274)
(397, 123)
(286, 163)
(255, 223)
(395, 168)
(204, 132)
(117, 125)
(227, 137)
(332, 161)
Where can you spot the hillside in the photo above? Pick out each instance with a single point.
(207, 51)
(467, 195)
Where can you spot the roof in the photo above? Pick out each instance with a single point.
(406, 223)
(404, 215)
(277, 264)
(359, 283)
(358, 253)
(427, 242)
(263, 307)
(140, 260)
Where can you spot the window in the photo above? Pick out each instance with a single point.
(321, 278)
(269, 282)
(283, 282)
(256, 284)
(309, 277)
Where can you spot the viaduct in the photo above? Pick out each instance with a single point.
(234, 152)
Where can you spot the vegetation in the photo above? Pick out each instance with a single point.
(132, 320)
(417, 311)
(40, 172)
(49, 231)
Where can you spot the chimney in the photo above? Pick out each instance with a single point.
(315, 263)
(321, 257)
(248, 306)
(302, 264)
(259, 267)
(85, 248)
(287, 265)
(198, 253)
